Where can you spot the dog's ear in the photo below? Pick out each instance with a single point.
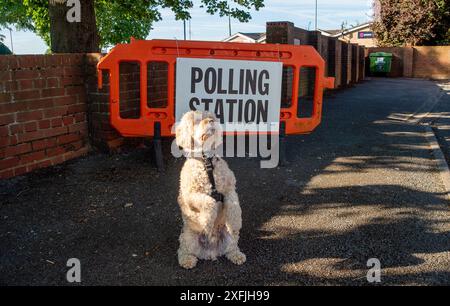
(185, 131)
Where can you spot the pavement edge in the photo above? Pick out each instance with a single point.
(442, 165)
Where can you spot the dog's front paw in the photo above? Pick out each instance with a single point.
(237, 257)
(187, 261)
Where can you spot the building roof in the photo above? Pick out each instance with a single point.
(252, 37)
(4, 50)
(337, 33)
(255, 36)
(331, 32)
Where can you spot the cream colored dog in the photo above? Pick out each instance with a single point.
(211, 227)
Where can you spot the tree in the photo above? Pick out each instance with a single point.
(73, 36)
(412, 22)
(106, 22)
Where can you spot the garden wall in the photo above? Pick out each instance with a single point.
(345, 62)
(430, 62)
(42, 111)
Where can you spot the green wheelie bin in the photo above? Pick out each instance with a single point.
(380, 63)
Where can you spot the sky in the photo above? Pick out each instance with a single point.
(331, 13)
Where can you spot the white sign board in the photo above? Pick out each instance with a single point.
(244, 95)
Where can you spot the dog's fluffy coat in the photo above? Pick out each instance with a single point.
(210, 229)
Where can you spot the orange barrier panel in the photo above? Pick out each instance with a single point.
(145, 51)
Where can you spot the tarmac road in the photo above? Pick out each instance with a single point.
(363, 185)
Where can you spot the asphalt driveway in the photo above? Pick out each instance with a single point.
(363, 185)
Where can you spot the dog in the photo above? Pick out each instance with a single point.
(208, 200)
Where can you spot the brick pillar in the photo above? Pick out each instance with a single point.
(334, 60)
(102, 135)
(345, 63)
(361, 68)
(354, 63)
(280, 32)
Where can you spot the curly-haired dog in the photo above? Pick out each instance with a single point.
(208, 199)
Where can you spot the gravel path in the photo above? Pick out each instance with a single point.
(363, 185)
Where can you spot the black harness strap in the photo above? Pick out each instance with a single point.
(209, 169)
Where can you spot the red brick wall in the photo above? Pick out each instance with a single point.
(102, 135)
(337, 54)
(157, 84)
(42, 111)
(432, 62)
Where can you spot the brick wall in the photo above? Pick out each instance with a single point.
(42, 112)
(340, 63)
(102, 135)
(129, 90)
(432, 62)
(157, 84)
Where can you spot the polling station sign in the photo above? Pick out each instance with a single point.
(244, 95)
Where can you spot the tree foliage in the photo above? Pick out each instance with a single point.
(118, 20)
(412, 22)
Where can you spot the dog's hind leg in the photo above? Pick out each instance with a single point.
(188, 250)
(233, 222)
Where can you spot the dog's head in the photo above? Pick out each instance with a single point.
(199, 132)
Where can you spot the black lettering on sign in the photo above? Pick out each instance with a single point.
(220, 90)
(210, 80)
(207, 102)
(196, 77)
(240, 110)
(250, 81)
(219, 110)
(231, 91)
(241, 81)
(250, 113)
(263, 111)
(194, 101)
(263, 88)
(231, 103)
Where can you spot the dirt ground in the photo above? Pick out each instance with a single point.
(363, 185)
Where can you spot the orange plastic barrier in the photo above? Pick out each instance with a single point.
(144, 51)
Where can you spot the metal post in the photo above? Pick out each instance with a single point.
(184, 29)
(157, 147)
(10, 37)
(282, 145)
(316, 17)
(229, 24)
(190, 33)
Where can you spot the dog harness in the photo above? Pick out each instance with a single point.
(208, 161)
